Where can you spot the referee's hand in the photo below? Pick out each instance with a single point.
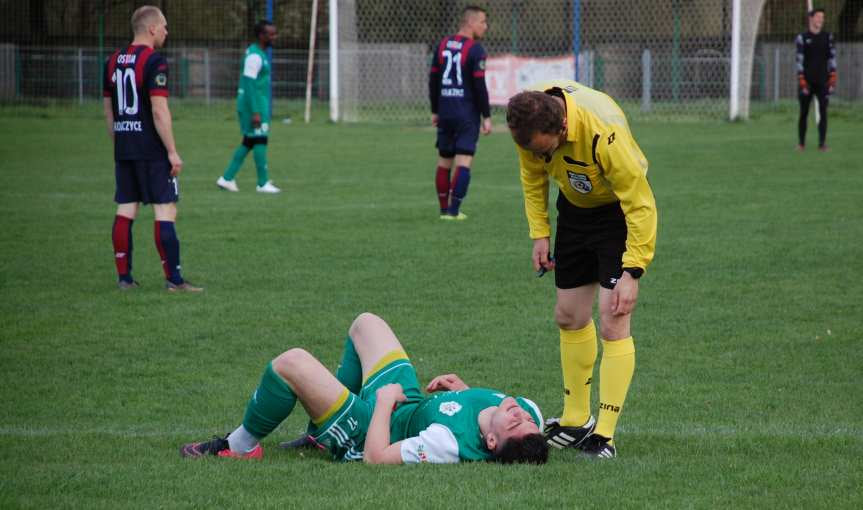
(540, 255)
(624, 295)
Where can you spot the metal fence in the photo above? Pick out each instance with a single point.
(668, 56)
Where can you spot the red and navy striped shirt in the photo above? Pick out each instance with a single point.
(132, 75)
(457, 79)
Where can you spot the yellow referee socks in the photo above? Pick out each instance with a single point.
(577, 356)
(615, 374)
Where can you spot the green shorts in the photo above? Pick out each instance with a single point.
(344, 434)
(245, 119)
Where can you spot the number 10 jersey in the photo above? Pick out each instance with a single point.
(132, 76)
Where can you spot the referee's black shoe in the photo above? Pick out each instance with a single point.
(598, 447)
(560, 436)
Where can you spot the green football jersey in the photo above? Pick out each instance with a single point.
(444, 427)
(253, 95)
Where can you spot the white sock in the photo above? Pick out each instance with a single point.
(242, 441)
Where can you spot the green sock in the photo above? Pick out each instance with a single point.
(260, 153)
(350, 371)
(271, 403)
(236, 162)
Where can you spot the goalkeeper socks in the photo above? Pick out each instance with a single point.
(169, 250)
(241, 440)
(236, 162)
(577, 357)
(121, 236)
(350, 370)
(260, 153)
(271, 403)
(615, 374)
(442, 185)
(458, 188)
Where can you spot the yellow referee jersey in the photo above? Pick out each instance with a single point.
(600, 163)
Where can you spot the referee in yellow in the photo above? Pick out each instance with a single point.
(605, 239)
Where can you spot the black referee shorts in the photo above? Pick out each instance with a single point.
(588, 245)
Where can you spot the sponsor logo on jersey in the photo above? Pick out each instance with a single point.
(449, 408)
(452, 92)
(580, 182)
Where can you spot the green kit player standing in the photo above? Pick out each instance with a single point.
(253, 109)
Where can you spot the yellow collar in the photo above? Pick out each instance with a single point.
(571, 118)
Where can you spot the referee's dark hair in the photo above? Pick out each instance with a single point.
(813, 12)
(261, 25)
(530, 449)
(532, 112)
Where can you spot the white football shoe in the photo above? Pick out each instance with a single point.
(268, 188)
(227, 185)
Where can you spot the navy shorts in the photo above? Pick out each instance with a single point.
(457, 136)
(149, 182)
(588, 245)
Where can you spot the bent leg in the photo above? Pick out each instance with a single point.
(291, 375)
(374, 342)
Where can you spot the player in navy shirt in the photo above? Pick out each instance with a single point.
(458, 98)
(146, 160)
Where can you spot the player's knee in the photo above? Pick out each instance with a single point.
(287, 362)
(613, 327)
(361, 323)
(567, 318)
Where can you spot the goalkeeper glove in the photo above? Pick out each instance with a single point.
(831, 82)
(804, 85)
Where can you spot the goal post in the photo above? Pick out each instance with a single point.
(672, 58)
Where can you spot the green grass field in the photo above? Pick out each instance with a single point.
(747, 385)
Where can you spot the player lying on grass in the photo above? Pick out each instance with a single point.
(373, 409)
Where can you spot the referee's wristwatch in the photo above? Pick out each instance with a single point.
(634, 272)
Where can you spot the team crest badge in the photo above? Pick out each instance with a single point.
(580, 182)
(449, 408)
(161, 79)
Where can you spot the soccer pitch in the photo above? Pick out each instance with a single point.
(747, 385)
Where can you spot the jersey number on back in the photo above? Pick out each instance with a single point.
(452, 60)
(127, 103)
